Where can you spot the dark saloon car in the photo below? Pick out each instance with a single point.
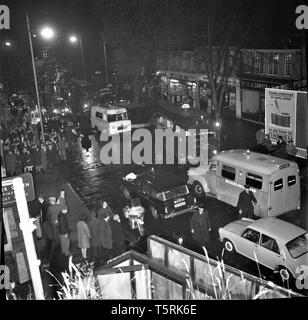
(163, 193)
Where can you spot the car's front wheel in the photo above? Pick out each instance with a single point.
(229, 246)
(154, 212)
(198, 189)
(285, 274)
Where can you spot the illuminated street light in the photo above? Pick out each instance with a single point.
(73, 39)
(7, 43)
(47, 33)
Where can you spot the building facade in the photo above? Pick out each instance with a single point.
(267, 68)
(182, 77)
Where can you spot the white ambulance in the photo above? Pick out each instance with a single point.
(110, 120)
(274, 182)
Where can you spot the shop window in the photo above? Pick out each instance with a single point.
(254, 180)
(278, 184)
(270, 63)
(228, 172)
(291, 180)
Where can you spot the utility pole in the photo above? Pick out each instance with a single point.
(35, 78)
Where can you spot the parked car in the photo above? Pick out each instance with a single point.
(274, 243)
(165, 194)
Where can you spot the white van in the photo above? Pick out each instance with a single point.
(110, 120)
(274, 181)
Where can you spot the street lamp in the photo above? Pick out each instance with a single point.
(46, 33)
(7, 43)
(75, 39)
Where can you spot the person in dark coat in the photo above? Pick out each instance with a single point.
(94, 227)
(52, 218)
(105, 237)
(18, 163)
(200, 227)
(43, 216)
(62, 200)
(103, 210)
(37, 160)
(118, 240)
(281, 146)
(10, 161)
(245, 203)
(64, 230)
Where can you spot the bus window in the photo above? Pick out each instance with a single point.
(99, 115)
(278, 184)
(228, 172)
(291, 180)
(254, 180)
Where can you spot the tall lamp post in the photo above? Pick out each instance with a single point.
(74, 39)
(46, 33)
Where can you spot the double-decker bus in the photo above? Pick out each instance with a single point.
(187, 118)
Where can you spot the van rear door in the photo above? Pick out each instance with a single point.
(277, 195)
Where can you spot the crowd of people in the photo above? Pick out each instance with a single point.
(282, 148)
(100, 235)
(23, 149)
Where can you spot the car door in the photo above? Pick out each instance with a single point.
(269, 252)
(249, 243)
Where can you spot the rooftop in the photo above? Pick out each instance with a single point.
(254, 161)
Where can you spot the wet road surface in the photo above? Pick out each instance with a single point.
(94, 181)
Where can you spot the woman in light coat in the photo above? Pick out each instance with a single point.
(84, 236)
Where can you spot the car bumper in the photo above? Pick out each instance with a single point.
(177, 213)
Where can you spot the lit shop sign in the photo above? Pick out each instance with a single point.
(257, 85)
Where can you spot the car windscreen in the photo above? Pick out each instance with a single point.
(176, 192)
(117, 117)
(298, 246)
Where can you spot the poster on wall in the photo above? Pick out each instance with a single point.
(280, 114)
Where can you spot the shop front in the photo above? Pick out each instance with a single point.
(253, 98)
(179, 88)
(229, 102)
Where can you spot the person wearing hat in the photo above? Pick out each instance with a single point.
(63, 227)
(200, 227)
(94, 227)
(105, 237)
(246, 203)
(52, 218)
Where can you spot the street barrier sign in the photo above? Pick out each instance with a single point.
(8, 195)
